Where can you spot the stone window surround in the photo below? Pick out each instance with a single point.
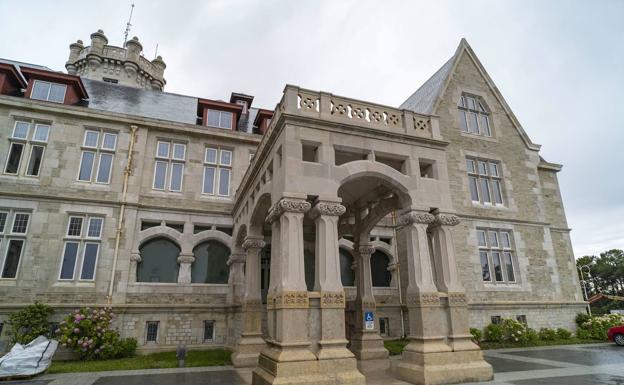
(98, 150)
(217, 166)
(489, 177)
(501, 249)
(169, 160)
(506, 185)
(83, 239)
(7, 234)
(28, 143)
(457, 94)
(485, 111)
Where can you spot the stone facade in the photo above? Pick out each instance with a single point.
(364, 208)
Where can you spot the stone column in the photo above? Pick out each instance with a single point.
(251, 342)
(236, 277)
(287, 356)
(366, 344)
(135, 259)
(184, 273)
(332, 344)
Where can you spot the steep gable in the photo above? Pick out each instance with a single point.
(427, 98)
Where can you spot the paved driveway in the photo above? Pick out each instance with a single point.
(596, 364)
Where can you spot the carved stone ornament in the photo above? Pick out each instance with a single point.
(366, 250)
(186, 259)
(415, 217)
(457, 299)
(289, 205)
(333, 299)
(446, 220)
(392, 266)
(423, 300)
(327, 208)
(236, 258)
(135, 257)
(252, 304)
(270, 302)
(291, 300)
(253, 243)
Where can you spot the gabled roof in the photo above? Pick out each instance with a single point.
(13, 73)
(427, 98)
(60, 77)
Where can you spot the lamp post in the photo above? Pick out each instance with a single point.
(581, 268)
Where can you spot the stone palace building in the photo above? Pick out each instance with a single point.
(298, 236)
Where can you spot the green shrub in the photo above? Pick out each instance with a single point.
(514, 331)
(581, 318)
(563, 334)
(477, 334)
(531, 335)
(547, 334)
(596, 327)
(29, 323)
(583, 334)
(89, 333)
(494, 333)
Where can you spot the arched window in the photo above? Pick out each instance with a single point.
(347, 275)
(474, 116)
(159, 261)
(210, 264)
(379, 269)
(309, 268)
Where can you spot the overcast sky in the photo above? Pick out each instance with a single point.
(559, 64)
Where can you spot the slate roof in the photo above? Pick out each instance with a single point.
(424, 99)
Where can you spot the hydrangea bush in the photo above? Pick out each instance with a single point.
(89, 332)
(596, 327)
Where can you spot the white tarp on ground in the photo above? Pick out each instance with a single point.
(28, 360)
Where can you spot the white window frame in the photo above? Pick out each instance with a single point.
(489, 178)
(214, 331)
(479, 110)
(82, 240)
(47, 99)
(169, 161)
(98, 150)
(490, 249)
(7, 235)
(82, 259)
(73, 276)
(27, 143)
(231, 126)
(217, 165)
(27, 223)
(6, 221)
(32, 147)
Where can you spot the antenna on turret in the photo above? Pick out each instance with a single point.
(156, 52)
(128, 25)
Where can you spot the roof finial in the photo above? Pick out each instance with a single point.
(128, 25)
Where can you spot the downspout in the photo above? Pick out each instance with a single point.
(398, 272)
(122, 210)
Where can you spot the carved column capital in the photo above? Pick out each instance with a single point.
(392, 266)
(415, 217)
(135, 257)
(186, 258)
(327, 208)
(253, 243)
(446, 220)
(422, 299)
(290, 205)
(236, 258)
(366, 250)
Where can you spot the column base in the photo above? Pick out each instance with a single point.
(443, 367)
(247, 351)
(370, 352)
(288, 366)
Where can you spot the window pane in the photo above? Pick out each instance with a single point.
(13, 254)
(506, 240)
(20, 223)
(95, 227)
(493, 169)
(160, 174)
(86, 166)
(498, 270)
(14, 158)
(177, 170)
(493, 235)
(496, 188)
(485, 266)
(34, 164)
(225, 120)
(69, 260)
(224, 182)
(463, 124)
(152, 331)
(104, 168)
(91, 138)
(485, 191)
(509, 267)
(57, 93)
(20, 131)
(179, 151)
(3, 218)
(208, 330)
(40, 90)
(213, 118)
(41, 132)
(474, 125)
(163, 150)
(482, 168)
(471, 103)
(226, 158)
(88, 261)
(75, 227)
(462, 102)
(109, 142)
(211, 155)
(209, 176)
(470, 165)
(481, 238)
(485, 125)
(480, 105)
(474, 193)
(159, 261)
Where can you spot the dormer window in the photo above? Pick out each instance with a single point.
(50, 92)
(473, 116)
(221, 119)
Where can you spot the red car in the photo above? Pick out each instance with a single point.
(616, 334)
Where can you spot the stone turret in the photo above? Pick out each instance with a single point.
(126, 66)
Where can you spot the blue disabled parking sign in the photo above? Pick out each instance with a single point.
(368, 316)
(369, 320)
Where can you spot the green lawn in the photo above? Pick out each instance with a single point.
(151, 361)
(395, 347)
